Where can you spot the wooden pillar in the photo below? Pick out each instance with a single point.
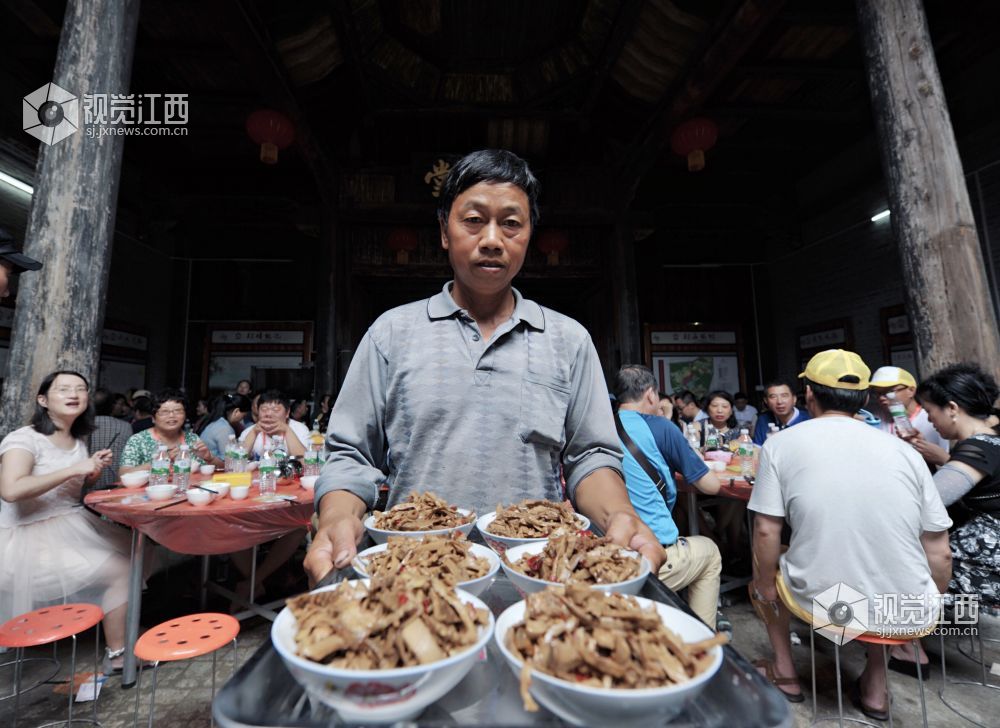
(326, 315)
(627, 326)
(947, 296)
(60, 309)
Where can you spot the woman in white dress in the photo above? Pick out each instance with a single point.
(51, 550)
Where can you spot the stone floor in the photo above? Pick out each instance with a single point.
(183, 692)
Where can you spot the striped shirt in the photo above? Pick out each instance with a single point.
(427, 404)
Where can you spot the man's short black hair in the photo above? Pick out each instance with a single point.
(740, 395)
(488, 165)
(779, 382)
(143, 405)
(631, 382)
(103, 401)
(687, 397)
(838, 400)
(274, 395)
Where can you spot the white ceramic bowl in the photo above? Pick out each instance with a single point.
(219, 487)
(475, 587)
(239, 492)
(502, 543)
(379, 536)
(308, 481)
(161, 492)
(135, 478)
(377, 696)
(584, 705)
(198, 497)
(529, 585)
(207, 469)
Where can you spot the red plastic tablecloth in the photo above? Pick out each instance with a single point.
(220, 527)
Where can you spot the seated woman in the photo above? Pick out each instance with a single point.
(720, 416)
(54, 552)
(227, 412)
(960, 403)
(273, 419)
(169, 412)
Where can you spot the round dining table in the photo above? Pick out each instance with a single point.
(223, 526)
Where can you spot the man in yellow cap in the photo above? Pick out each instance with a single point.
(865, 514)
(902, 387)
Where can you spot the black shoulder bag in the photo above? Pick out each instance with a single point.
(640, 457)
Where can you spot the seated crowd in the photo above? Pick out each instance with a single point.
(924, 499)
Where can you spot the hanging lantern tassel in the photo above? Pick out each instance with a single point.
(272, 130)
(403, 241)
(552, 243)
(692, 139)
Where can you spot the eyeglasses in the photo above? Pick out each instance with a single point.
(63, 391)
(168, 411)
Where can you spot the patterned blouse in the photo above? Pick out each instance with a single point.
(142, 447)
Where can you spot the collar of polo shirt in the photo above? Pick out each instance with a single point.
(442, 305)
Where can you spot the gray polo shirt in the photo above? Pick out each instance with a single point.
(429, 405)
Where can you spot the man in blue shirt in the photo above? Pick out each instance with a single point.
(691, 561)
(781, 410)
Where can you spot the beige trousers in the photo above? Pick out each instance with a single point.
(694, 562)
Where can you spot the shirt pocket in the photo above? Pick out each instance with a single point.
(544, 403)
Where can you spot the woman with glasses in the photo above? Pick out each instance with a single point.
(52, 552)
(169, 415)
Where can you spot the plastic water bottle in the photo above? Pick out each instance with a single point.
(311, 462)
(159, 472)
(230, 465)
(744, 452)
(239, 459)
(900, 421)
(279, 449)
(711, 438)
(182, 468)
(692, 438)
(268, 475)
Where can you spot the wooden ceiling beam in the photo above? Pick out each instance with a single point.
(693, 89)
(805, 70)
(784, 113)
(628, 15)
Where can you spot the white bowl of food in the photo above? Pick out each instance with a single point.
(161, 492)
(579, 697)
(308, 481)
(421, 514)
(221, 488)
(504, 540)
(474, 586)
(623, 560)
(378, 695)
(207, 469)
(135, 479)
(199, 497)
(239, 492)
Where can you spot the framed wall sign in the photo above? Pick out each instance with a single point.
(234, 349)
(700, 358)
(833, 334)
(897, 339)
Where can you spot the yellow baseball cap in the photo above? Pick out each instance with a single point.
(892, 377)
(831, 367)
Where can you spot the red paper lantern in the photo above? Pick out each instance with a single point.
(272, 130)
(552, 243)
(692, 139)
(403, 241)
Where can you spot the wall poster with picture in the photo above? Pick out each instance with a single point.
(697, 357)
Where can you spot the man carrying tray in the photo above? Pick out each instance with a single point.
(476, 394)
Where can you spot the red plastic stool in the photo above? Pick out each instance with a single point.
(182, 639)
(45, 626)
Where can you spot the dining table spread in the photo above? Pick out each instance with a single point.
(223, 526)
